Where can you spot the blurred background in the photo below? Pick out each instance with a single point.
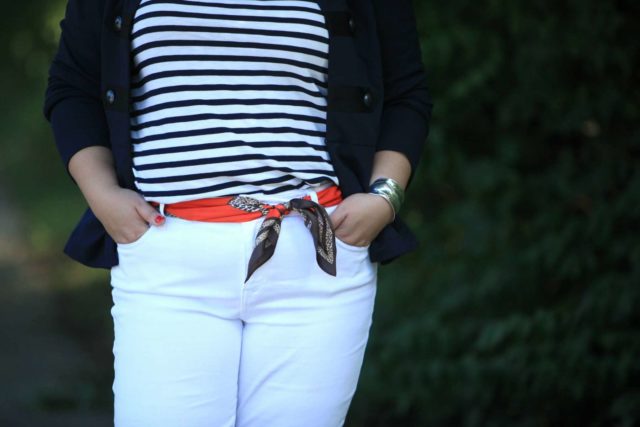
(522, 306)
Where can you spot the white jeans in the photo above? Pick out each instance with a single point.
(195, 346)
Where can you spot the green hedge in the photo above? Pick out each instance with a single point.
(523, 306)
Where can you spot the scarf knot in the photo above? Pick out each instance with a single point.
(316, 219)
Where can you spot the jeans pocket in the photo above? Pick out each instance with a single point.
(139, 240)
(340, 242)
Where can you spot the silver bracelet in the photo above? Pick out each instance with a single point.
(384, 196)
(390, 190)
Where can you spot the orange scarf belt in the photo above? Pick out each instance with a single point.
(242, 208)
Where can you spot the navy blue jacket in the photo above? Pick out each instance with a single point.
(377, 100)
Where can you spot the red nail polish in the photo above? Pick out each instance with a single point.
(159, 219)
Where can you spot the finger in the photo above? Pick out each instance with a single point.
(150, 214)
(337, 217)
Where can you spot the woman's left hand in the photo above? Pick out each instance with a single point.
(360, 217)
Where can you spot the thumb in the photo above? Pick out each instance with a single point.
(150, 214)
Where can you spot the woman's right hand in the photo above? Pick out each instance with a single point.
(124, 213)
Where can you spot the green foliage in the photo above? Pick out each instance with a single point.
(522, 307)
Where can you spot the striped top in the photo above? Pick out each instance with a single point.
(228, 97)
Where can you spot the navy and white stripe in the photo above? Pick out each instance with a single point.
(228, 97)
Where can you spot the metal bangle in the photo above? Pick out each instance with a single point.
(384, 196)
(389, 188)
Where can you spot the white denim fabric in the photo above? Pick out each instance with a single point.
(195, 346)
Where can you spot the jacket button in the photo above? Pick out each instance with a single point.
(117, 23)
(110, 96)
(352, 24)
(367, 99)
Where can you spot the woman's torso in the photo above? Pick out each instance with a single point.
(228, 97)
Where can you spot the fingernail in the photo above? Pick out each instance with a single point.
(159, 219)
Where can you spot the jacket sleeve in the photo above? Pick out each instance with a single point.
(72, 101)
(407, 104)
